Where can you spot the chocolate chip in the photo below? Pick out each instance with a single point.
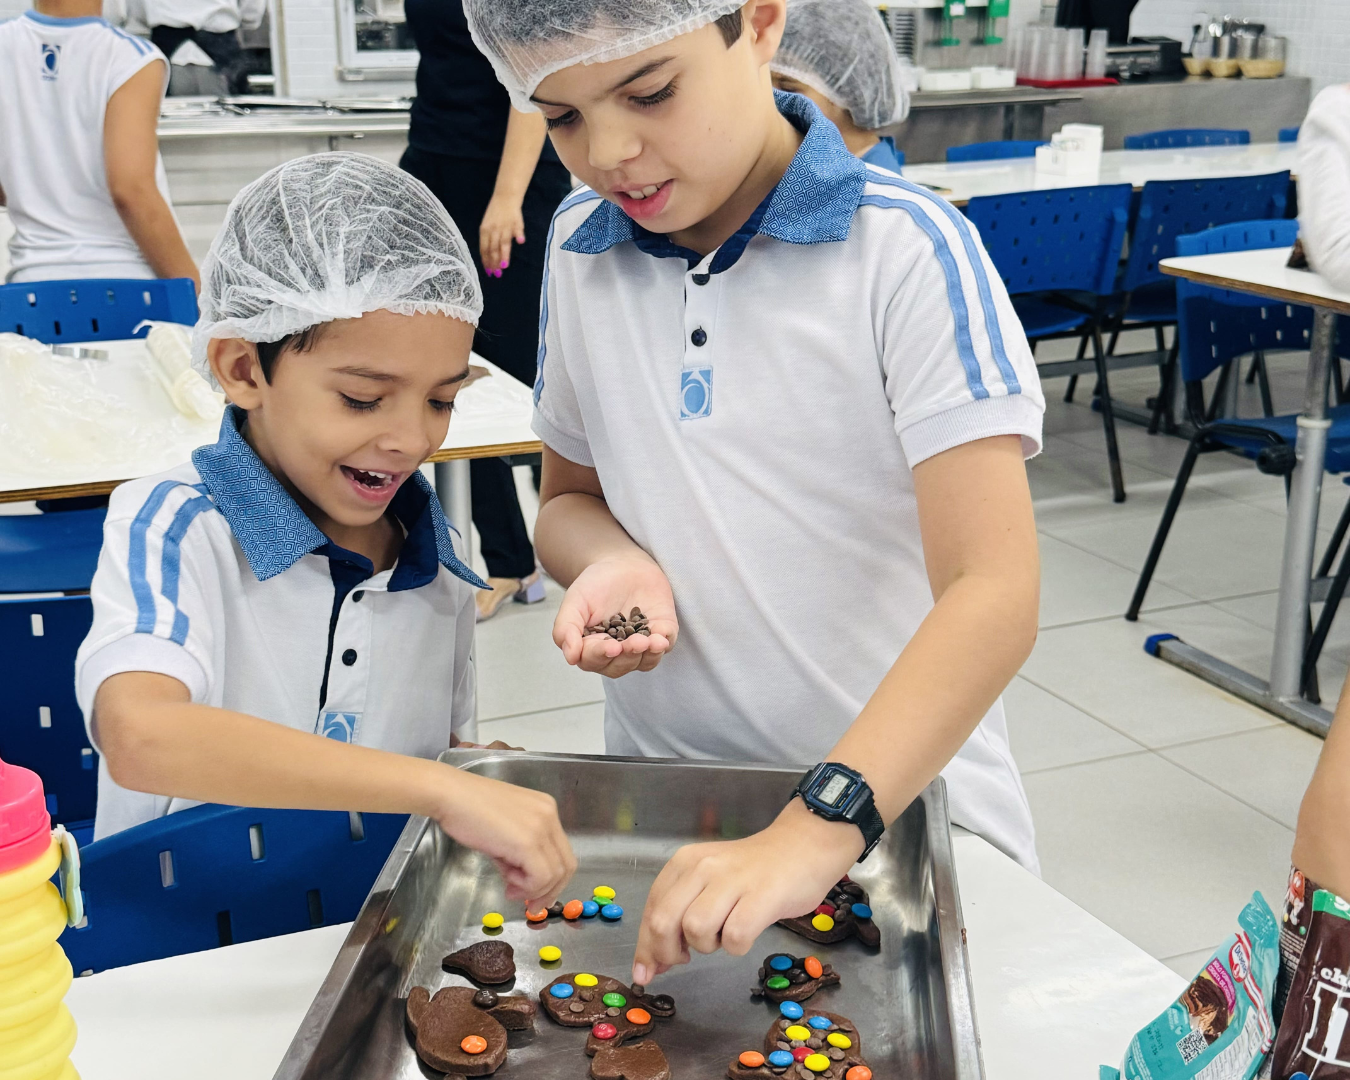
(485, 999)
(587, 995)
(639, 990)
(815, 1042)
(611, 1012)
(805, 1073)
(645, 632)
(836, 1054)
(577, 1006)
(782, 1044)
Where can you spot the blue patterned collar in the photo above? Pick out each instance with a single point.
(274, 532)
(813, 203)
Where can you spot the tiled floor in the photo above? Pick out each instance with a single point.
(1161, 803)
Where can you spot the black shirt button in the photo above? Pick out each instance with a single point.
(702, 279)
(698, 337)
(356, 596)
(349, 657)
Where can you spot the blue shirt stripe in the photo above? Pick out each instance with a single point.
(963, 229)
(140, 584)
(170, 561)
(142, 46)
(575, 199)
(956, 295)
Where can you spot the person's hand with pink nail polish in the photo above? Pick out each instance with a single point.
(502, 223)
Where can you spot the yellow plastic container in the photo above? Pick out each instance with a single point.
(37, 1031)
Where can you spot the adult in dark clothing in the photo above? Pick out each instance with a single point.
(495, 172)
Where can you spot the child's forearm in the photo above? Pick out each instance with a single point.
(151, 223)
(575, 530)
(1321, 843)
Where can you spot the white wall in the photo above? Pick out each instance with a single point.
(1318, 30)
(309, 31)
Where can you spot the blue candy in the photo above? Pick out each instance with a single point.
(780, 1058)
(781, 962)
(589, 909)
(561, 990)
(612, 912)
(861, 911)
(820, 1023)
(791, 1010)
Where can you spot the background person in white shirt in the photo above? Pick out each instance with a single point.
(79, 156)
(212, 24)
(1324, 184)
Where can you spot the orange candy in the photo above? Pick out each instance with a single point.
(473, 1044)
(858, 1072)
(638, 1016)
(813, 968)
(751, 1059)
(537, 916)
(572, 909)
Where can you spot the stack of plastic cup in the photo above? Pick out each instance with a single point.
(1096, 56)
(1073, 53)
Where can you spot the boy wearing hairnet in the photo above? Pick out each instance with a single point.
(836, 52)
(282, 621)
(785, 404)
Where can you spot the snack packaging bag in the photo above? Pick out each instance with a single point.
(1221, 1027)
(1314, 1043)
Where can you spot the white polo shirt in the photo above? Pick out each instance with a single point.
(210, 573)
(56, 77)
(754, 417)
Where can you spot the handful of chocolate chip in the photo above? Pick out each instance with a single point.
(620, 626)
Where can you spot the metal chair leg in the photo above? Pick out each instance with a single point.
(1263, 383)
(1162, 404)
(1164, 527)
(1108, 417)
(1251, 371)
(1073, 379)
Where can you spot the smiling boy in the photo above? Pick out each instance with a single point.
(785, 404)
(283, 621)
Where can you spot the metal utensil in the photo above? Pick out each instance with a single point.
(79, 352)
(626, 817)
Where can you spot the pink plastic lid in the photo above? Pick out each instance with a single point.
(25, 825)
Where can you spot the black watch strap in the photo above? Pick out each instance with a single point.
(872, 826)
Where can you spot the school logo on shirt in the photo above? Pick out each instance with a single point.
(51, 61)
(340, 726)
(695, 393)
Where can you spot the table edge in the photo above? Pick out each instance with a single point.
(1341, 307)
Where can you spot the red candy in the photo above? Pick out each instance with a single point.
(825, 909)
(603, 1030)
(802, 1053)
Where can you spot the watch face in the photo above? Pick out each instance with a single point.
(833, 791)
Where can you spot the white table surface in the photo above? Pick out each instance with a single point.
(1056, 992)
(143, 433)
(1262, 272)
(966, 179)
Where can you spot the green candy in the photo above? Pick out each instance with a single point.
(777, 982)
(614, 1001)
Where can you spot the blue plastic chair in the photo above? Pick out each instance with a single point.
(94, 309)
(1289, 134)
(50, 552)
(1057, 252)
(990, 151)
(1216, 327)
(218, 875)
(41, 726)
(1179, 137)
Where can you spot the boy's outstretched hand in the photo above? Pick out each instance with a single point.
(724, 895)
(518, 828)
(612, 586)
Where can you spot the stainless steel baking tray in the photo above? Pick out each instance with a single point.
(626, 816)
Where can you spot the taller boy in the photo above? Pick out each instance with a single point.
(786, 394)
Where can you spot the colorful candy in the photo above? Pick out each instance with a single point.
(861, 911)
(612, 912)
(493, 920)
(605, 891)
(825, 909)
(858, 1072)
(638, 1016)
(780, 1059)
(777, 982)
(751, 1059)
(603, 1030)
(614, 1001)
(813, 967)
(781, 962)
(585, 979)
(589, 909)
(820, 1023)
(561, 990)
(550, 953)
(572, 909)
(839, 1039)
(823, 923)
(473, 1044)
(791, 1010)
(801, 1053)
(797, 1033)
(537, 916)
(817, 1062)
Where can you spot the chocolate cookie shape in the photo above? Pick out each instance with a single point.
(488, 962)
(844, 913)
(820, 1046)
(462, 1031)
(633, 1023)
(638, 1061)
(784, 977)
(579, 1000)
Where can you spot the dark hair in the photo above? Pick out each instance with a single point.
(269, 352)
(731, 26)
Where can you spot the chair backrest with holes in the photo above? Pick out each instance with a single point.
(1065, 239)
(41, 726)
(1289, 134)
(991, 151)
(1172, 208)
(96, 309)
(217, 875)
(1179, 137)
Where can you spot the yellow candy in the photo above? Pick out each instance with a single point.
(798, 1033)
(835, 1038)
(549, 953)
(823, 923)
(817, 1062)
(492, 920)
(585, 980)
(605, 891)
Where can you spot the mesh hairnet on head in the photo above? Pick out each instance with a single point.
(840, 48)
(528, 40)
(331, 236)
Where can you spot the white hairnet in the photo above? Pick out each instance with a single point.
(840, 47)
(331, 236)
(528, 40)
